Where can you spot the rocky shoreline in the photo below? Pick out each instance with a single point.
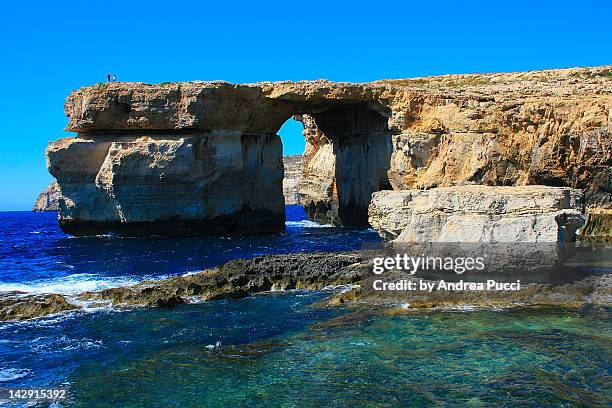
(521, 160)
(197, 154)
(308, 271)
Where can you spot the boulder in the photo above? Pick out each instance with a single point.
(22, 306)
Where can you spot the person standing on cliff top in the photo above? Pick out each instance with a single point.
(108, 77)
(114, 77)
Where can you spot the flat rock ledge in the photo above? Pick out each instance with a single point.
(474, 213)
(515, 229)
(310, 271)
(587, 291)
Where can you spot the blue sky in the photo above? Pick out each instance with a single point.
(49, 49)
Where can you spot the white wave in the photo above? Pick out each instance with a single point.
(340, 288)
(68, 285)
(10, 374)
(65, 343)
(214, 346)
(307, 224)
(89, 306)
(189, 273)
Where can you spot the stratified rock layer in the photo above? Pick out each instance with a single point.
(48, 199)
(292, 179)
(222, 182)
(141, 147)
(512, 229)
(534, 214)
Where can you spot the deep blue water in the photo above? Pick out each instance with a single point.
(278, 349)
(35, 255)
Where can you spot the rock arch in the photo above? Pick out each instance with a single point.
(204, 157)
(347, 159)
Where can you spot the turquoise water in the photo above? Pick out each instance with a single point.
(284, 350)
(278, 349)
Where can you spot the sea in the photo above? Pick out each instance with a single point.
(278, 349)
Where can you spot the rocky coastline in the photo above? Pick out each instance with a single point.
(201, 155)
(516, 164)
(315, 271)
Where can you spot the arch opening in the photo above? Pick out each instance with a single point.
(291, 134)
(346, 156)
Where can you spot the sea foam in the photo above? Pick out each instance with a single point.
(68, 285)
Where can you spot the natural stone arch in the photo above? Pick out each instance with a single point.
(347, 158)
(136, 165)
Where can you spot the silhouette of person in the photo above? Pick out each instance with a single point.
(108, 77)
(114, 77)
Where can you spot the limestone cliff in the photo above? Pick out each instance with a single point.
(292, 178)
(48, 199)
(203, 157)
(513, 229)
(225, 182)
(529, 214)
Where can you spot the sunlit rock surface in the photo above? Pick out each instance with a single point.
(478, 214)
(141, 147)
(292, 178)
(511, 229)
(48, 199)
(227, 182)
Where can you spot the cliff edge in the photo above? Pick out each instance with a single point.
(205, 158)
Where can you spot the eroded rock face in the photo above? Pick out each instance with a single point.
(292, 178)
(512, 229)
(547, 127)
(478, 214)
(220, 182)
(598, 224)
(48, 199)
